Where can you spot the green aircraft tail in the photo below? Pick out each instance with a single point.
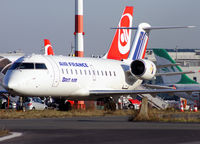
(163, 58)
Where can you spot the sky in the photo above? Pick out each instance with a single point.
(25, 23)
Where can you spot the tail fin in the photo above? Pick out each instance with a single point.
(120, 46)
(141, 38)
(139, 45)
(163, 58)
(48, 48)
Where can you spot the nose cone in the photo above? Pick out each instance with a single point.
(12, 85)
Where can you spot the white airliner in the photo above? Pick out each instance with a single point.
(7, 61)
(84, 78)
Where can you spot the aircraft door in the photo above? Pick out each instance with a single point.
(55, 72)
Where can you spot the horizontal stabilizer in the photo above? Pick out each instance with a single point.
(174, 73)
(167, 65)
(155, 28)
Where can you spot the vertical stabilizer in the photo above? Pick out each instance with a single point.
(140, 42)
(163, 58)
(120, 46)
(48, 48)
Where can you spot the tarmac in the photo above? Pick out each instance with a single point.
(107, 130)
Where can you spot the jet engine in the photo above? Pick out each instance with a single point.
(143, 69)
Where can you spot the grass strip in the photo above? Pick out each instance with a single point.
(10, 114)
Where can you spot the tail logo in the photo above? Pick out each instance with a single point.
(49, 49)
(124, 34)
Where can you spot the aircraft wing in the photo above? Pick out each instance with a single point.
(145, 91)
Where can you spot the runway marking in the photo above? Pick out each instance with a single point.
(12, 135)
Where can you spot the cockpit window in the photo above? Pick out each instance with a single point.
(26, 66)
(17, 65)
(40, 66)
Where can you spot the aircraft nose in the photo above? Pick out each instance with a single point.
(10, 84)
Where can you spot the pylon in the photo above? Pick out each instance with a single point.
(195, 108)
(182, 109)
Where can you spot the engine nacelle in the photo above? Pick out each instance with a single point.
(143, 69)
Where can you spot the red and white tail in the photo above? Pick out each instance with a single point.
(48, 48)
(120, 46)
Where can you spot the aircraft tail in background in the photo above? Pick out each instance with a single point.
(120, 46)
(163, 58)
(48, 48)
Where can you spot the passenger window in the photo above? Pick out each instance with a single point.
(80, 71)
(110, 73)
(89, 72)
(97, 72)
(93, 72)
(102, 73)
(76, 71)
(66, 71)
(106, 73)
(40, 66)
(72, 71)
(62, 71)
(114, 73)
(85, 72)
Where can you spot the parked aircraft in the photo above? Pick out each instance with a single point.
(87, 78)
(120, 46)
(179, 81)
(47, 47)
(83, 78)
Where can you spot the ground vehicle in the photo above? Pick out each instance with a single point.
(34, 103)
(134, 104)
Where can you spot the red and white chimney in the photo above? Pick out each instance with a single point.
(79, 48)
